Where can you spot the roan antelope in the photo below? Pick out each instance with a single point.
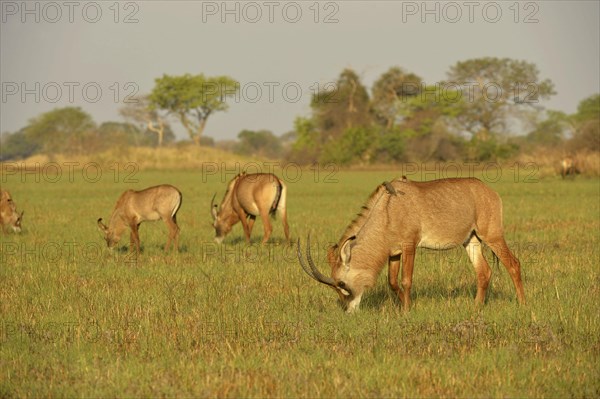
(568, 167)
(249, 196)
(402, 215)
(135, 207)
(9, 217)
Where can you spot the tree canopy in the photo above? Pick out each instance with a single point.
(495, 90)
(192, 99)
(61, 130)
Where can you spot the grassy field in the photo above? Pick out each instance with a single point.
(78, 320)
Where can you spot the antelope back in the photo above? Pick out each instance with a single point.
(443, 213)
(153, 203)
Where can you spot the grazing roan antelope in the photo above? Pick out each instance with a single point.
(249, 196)
(9, 217)
(135, 207)
(402, 215)
(568, 167)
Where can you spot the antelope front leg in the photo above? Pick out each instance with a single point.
(244, 219)
(393, 270)
(408, 264)
(134, 238)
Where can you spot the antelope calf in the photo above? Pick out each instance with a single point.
(403, 215)
(9, 217)
(249, 196)
(135, 207)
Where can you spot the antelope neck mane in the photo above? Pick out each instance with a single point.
(230, 189)
(361, 218)
(119, 206)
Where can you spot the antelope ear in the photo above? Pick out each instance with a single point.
(346, 249)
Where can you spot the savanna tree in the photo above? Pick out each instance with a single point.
(192, 99)
(495, 90)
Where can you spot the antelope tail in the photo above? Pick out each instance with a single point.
(280, 199)
(177, 205)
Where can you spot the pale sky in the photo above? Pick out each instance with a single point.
(94, 54)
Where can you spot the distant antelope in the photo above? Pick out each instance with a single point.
(9, 217)
(135, 207)
(249, 196)
(403, 215)
(568, 167)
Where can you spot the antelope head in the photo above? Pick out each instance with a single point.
(339, 260)
(14, 221)
(221, 228)
(111, 235)
(224, 217)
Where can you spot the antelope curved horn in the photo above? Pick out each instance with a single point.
(304, 267)
(212, 206)
(102, 225)
(313, 271)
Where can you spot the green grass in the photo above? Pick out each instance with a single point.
(78, 320)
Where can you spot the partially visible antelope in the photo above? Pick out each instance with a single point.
(249, 196)
(568, 167)
(135, 207)
(403, 215)
(9, 217)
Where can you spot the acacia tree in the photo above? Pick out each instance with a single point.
(147, 118)
(192, 99)
(494, 91)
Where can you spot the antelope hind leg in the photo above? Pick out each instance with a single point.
(484, 273)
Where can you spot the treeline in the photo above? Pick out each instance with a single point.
(72, 131)
(486, 109)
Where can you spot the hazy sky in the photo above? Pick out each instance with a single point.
(94, 54)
